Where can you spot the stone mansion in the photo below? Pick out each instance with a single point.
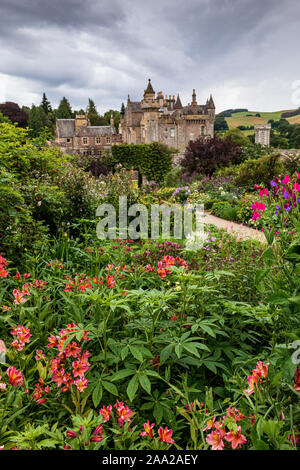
(163, 119)
(156, 118)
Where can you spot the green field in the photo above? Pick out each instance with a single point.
(241, 119)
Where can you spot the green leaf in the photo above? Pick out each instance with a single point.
(111, 388)
(97, 394)
(158, 412)
(121, 374)
(211, 366)
(132, 387)
(145, 382)
(269, 257)
(190, 347)
(178, 350)
(136, 353)
(207, 329)
(165, 353)
(124, 353)
(260, 445)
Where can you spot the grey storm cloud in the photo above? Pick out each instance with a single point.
(243, 51)
(62, 13)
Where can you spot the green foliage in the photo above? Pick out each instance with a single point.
(237, 137)
(220, 124)
(64, 110)
(152, 160)
(225, 210)
(259, 171)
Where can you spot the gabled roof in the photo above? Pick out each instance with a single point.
(95, 130)
(66, 127)
(198, 109)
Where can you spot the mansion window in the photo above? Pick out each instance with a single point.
(98, 140)
(108, 140)
(191, 136)
(202, 130)
(172, 132)
(85, 140)
(68, 140)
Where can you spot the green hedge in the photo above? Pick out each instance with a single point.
(153, 160)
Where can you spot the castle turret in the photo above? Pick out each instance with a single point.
(149, 92)
(194, 102)
(210, 103)
(178, 104)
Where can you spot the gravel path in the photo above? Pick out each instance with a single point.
(233, 228)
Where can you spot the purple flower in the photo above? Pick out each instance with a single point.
(286, 195)
(272, 183)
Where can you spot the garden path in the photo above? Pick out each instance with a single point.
(241, 231)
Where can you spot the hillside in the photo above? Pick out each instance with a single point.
(242, 118)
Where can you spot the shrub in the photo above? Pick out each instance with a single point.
(261, 170)
(153, 160)
(204, 156)
(225, 210)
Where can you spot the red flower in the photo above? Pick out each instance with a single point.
(105, 412)
(15, 376)
(237, 439)
(148, 429)
(165, 435)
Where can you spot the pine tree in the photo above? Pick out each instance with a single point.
(122, 112)
(64, 110)
(94, 118)
(45, 104)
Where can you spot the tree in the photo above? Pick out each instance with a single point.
(4, 119)
(14, 113)
(116, 116)
(45, 104)
(37, 120)
(94, 118)
(277, 141)
(122, 112)
(220, 124)
(295, 137)
(237, 137)
(64, 110)
(204, 156)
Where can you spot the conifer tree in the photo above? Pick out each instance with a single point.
(64, 110)
(94, 118)
(45, 104)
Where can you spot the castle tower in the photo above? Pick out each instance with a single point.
(262, 134)
(194, 101)
(149, 92)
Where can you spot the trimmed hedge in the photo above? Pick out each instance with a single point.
(153, 160)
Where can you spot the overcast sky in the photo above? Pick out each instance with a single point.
(244, 52)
